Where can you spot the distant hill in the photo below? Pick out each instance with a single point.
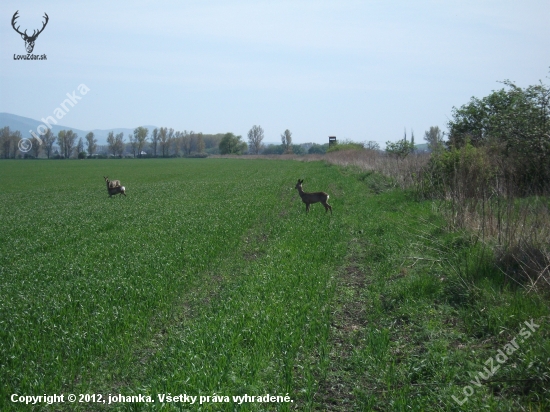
(25, 124)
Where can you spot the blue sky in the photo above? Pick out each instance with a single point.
(362, 70)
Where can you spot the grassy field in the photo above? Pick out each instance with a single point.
(209, 279)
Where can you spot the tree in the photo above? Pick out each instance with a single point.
(154, 141)
(176, 144)
(372, 145)
(434, 137)
(48, 139)
(92, 143)
(163, 140)
(255, 138)
(65, 140)
(15, 137)
(111, 143)
(400, 149)
(79, 147)
(36, 148)
(186, 142)
(119, 143)
(140, 137)
(318, 149)
(169, 141)
(231, 144)
(200, 143)
(61, 142)
(5, 140)
(514, 124)
(133, 143)
(286, 139)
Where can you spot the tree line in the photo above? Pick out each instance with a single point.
(160, 142)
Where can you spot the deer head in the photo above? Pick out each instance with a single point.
(29, 40)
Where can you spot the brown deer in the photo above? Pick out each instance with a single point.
(112, 183)
(115, 190)
(309, 198)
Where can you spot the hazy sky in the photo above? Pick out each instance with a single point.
(362, 70)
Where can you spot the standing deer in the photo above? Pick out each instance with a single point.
(309, 198)
(112, 183)
(115, 190)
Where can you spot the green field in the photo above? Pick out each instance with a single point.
(210, 279)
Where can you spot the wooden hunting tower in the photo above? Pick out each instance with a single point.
(331, 140)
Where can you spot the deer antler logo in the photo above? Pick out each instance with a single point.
(29, 40)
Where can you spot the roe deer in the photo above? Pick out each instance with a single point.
(115, 190)
(112, 183)
(309, 198)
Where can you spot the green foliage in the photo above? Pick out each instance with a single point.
(400, 149)
(318, 148)
(82, 155)
(515, 124)
(273, 149)
(434, 137)
(345, 145)
(231, 144)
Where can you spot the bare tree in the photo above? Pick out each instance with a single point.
(255, 138)
(372, 145)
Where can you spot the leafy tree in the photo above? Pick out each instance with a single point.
(515, 124)
(79, 146)
(273, 149)
(5, 140)
(169, 141)
(65, 140)
(111, 143)
(286, 139)
(92, 143)
(318, 149)
(186, 142)
(231, 144)
(163, 140)
(133, 143)
(298, 149)
(140, 138)
(255, 138)
(119, 142)
(154, 141)
(36, 147)
(434, 137)
(400, 149)
(15, 137)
